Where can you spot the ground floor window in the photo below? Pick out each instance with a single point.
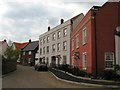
(84, 64)
(109, 57)
(64, 60)
(72, 61)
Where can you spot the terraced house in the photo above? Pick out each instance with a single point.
(94, 47)
(54, 45)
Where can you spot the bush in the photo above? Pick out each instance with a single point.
(109, 75)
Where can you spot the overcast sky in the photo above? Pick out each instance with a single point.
(21, 20)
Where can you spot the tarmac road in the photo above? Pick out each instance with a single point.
(27, 77)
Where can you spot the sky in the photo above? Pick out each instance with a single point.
(21, 20)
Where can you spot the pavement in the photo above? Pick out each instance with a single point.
(84, 81)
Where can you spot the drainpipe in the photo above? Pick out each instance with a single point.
(95, 43)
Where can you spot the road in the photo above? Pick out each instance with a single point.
(27, 77)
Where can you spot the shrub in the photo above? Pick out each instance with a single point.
(109, 75)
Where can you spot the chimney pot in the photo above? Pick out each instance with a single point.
(29, 40)
(62, 21)
(48, 28)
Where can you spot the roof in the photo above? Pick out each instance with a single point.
(1, 42)
(31, 46)
(19, 46)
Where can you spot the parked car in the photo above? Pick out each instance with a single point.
(41, 67)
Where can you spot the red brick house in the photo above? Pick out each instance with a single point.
(28, 53)
(92, 41)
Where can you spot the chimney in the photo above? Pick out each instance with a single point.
(4, 40)
(29, 40)
(48, 28)
(62, 21)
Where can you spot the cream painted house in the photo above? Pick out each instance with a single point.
(54, 45)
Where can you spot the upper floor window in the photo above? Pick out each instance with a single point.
(40, 51)
(109, 58)
(72, 44)
(30, 52)
(65, 32)
(43, 50)
(47, 49)
(84, 36)
(53, 36)
(48, 38)
(23, 53)
(58, 47)
(43, 40)
(65, 45)
(84, 64)
(53, 47)
(59, 33)
(77, 41)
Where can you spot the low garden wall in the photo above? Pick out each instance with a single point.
(8, 66)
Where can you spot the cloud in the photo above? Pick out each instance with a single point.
(21, 20)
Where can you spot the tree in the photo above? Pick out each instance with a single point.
(11, 54)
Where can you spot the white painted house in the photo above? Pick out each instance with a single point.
(54, 45)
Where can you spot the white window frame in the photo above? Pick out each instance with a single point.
(64, 45)
(43, 50)
(43, 40)
(40, 51)
(58, 47)
(29, 52)
(53, 36)
(48, 39)
(59, 34)
(23, 53)
(47, 49)
(77, 41)
(84, 62)
(64, 32)
(40, 41)
(84, 36)
(112, 60)
(53, 48)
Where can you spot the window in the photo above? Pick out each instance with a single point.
(53, 36)
(65, 45)
(77, 41)
(48, 38)
(65, 32)
(64, 60)
(29, 60)
(109, 57)
(58, 47)
(43, 50)
(29, 53)
(58, 34)
(40, 51)
(53, 47)
(23, 53)
(72, 44)
(44, 41)
(41, 42)
(84, 61)
(84, 39)
(47, 49)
